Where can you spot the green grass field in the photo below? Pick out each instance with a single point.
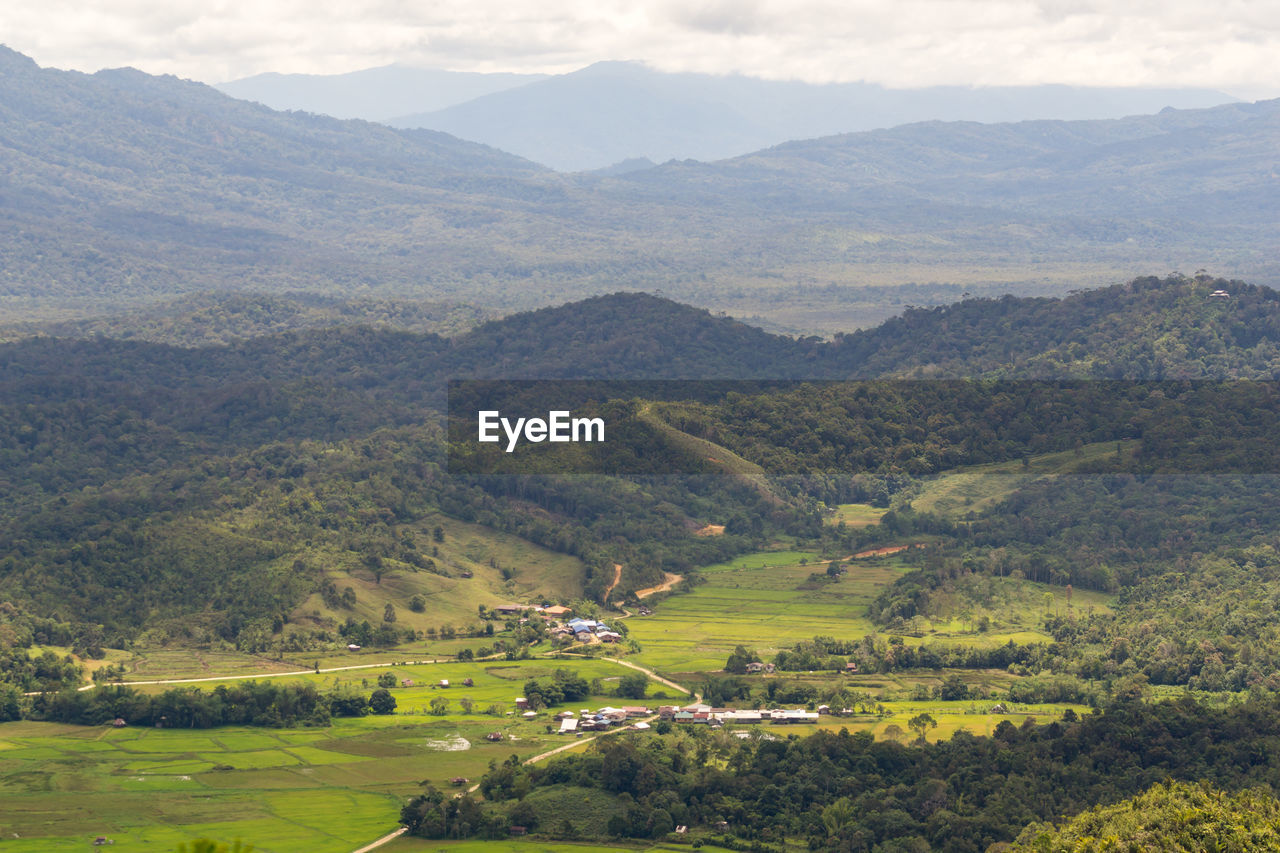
(979, 487)
(856, 515)
(451, 599)
(283, 790)
(761, 600)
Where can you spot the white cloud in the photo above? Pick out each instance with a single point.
(1229, 44)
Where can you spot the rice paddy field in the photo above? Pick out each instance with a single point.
(766, 601)
(762, 601)
(283, 790)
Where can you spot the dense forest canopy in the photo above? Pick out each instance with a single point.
(136, 472)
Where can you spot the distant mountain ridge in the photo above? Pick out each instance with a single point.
(610, 112)
(373, 94)
(119, 189)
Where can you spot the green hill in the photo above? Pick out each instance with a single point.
(142, 478)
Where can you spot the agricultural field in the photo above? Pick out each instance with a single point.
(763, 600)
(856, 515)
(420, 845)
(305, 790)
(766, 601)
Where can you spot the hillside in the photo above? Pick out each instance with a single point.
(123, 190)
(113, 451)
(1149, 328)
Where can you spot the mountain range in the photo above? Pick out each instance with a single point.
(612, 112)
(373, 94)
(120, 189)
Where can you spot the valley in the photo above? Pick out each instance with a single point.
(253, 555)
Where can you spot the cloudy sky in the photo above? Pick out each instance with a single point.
(1227, 44)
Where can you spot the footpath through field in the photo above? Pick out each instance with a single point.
(617, 579)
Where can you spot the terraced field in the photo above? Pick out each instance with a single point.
(762, 600)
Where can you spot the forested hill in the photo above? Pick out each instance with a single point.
(1149, 328)
(102, 440)
(628, 335)
(83, 411)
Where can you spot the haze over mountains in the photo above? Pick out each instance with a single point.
(374, 94)
(120, 189)
(614, 111)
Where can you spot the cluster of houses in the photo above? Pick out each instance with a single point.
(598, 721)
(714, 717)
(605, 718)
(587, 631)
(582, 630)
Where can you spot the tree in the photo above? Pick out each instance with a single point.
(737, 662)
(389, 613)
(387, 679)
(418, 604)
(439, 706)
(438, 534)
(382, 702)
(208, 845)
(954, 689)
(838, 815)
(921, 723)
(633, 686)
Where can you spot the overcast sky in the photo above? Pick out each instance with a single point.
(1228, 44)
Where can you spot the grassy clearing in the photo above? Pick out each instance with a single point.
(760, 600)
(502, 568)
(1014, 610)
(151, 664)
(980, 487)
(856, 515)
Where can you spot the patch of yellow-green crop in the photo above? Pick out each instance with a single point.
(856, 515)
(955, 494)
(764, 601)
